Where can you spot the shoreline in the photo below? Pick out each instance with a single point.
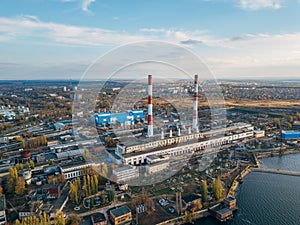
(233, 190)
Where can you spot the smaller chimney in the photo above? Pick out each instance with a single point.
(179, 133)
(162, 133)
(189, 130)
(171, 134)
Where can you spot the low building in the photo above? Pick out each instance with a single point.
(98, 219)
(53, 190)
(224, 214)
(75, 170)
(121, 215)
(125, 173)
(157, 167)
(2, 210)
(259, 133)
(230, 202)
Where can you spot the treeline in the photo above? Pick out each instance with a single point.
(89, 187)
(15, 184)
(44, 219)
(216, 189)
(33, 142)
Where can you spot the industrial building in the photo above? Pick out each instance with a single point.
(155, 151)
(290, 134)
(107, 118)
(125, 173)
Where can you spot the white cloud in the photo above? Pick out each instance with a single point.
(260, 4)
(223, 55)
(23, 27)
(86, 4)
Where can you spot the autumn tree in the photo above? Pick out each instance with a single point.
(217, 188)
(12, 178)
(1, 190)
(204, 191)
(20, 186)
(21, 139)
(59, 218)
(73, 219)
(197, 205)
(74, 192)
(277, 122)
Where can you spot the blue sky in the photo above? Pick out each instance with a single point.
(235, 38)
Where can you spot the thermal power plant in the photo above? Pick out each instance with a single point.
(176, 141)
(195, 109)
(150, 113)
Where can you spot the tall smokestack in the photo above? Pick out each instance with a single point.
(150, 115)
(195, 110)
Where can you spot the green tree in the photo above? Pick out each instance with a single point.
(110, 195)
(204, 191)
(31, 164)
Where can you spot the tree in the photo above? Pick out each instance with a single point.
(20, 139)
(31, 164)
(103, 170)
(96, 183)
(110, 195)
(1, 190)
(12, 178)
(214, 187)
(17, 222)
(219, 189)
(288, 125)
(74, 192)
(277, 122)
(197, 205)
(19, 166)
(20, 186)
(73, 219)
(59, 218)
(204, 191)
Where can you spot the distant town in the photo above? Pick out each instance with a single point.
(139, 153)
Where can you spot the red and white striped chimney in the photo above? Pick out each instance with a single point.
(150, 115)
(195, 109)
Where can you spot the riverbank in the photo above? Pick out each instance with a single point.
(261, 155)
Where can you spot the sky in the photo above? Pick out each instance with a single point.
(236, 39)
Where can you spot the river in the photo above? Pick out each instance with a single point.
(268, 199)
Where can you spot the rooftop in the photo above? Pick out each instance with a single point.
(98, 217)
(2, 202)
(120, 211)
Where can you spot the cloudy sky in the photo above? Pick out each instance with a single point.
(50, 39)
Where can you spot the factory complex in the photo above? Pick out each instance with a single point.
(155, 153)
